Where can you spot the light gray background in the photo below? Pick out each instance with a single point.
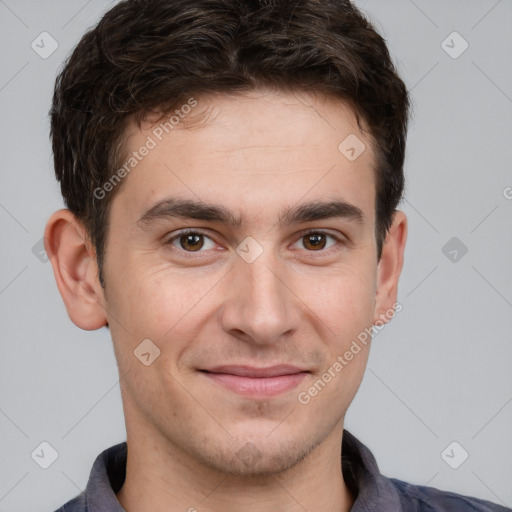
(440, 372)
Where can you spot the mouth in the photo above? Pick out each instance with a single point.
(257, 382)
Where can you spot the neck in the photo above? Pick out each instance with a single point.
(160, 477)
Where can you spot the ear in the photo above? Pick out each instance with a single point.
(75, 269)
(389, 269)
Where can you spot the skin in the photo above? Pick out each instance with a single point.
(255, 154)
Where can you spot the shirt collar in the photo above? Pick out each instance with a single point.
(370, 489)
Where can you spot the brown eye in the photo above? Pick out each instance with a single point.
(191, 242)
(315, 241)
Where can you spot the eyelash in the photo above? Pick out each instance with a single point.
(194, 254)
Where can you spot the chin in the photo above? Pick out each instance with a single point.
(258, 458)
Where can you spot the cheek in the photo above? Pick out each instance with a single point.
(343, 313)
(158, 302)
(342, 300)
(164, 308)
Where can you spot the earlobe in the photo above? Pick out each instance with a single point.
(390, 268)
(75, 270)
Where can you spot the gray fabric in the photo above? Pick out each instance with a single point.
(373, 491)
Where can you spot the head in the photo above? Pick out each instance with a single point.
(231, 119)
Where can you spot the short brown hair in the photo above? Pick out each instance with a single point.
(154, 54)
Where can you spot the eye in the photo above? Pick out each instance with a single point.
(317, 241)
(191, 241)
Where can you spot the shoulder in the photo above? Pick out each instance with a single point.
(77, 504)
(418, 498)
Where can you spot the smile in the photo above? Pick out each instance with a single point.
(257, 382)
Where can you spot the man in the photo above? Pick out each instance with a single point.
(232, 171)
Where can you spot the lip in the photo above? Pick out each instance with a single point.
(257, 382)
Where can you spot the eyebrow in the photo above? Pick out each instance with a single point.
(171, 208)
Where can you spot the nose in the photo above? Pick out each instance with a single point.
(260, 306)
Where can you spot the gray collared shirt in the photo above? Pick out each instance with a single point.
(372, 491)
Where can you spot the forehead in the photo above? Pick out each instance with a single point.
(254, 150)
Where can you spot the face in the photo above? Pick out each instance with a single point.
(244, 249)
